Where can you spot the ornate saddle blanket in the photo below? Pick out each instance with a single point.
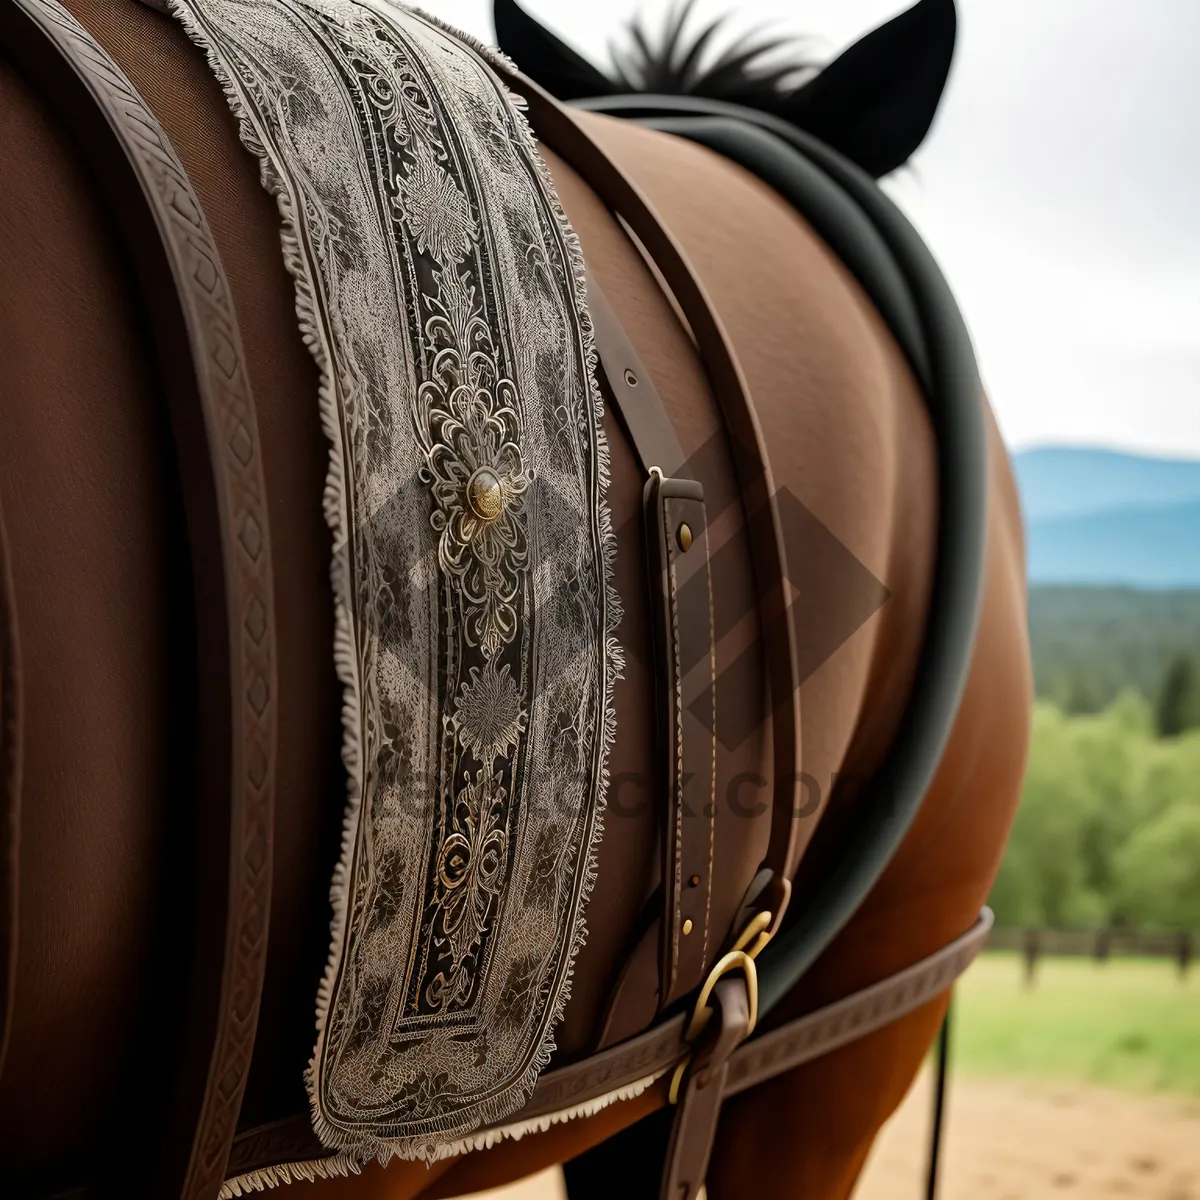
(441, 291)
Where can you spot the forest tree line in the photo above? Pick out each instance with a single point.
(1108, 830)
(1091, 644)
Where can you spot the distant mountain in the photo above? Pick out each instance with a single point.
(1140, 547)
(1068, 481)
(1099, 517)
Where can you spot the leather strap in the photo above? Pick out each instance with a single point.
(560, 130)
(858, 1015)
(662, 1048)
(685, 655)
(228, 780)
(736, 1068)
(695, 1126)
(632, 392)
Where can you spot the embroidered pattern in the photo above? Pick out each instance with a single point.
(487, 713)
(469, 427)
(440, 289)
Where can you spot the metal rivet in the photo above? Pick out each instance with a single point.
(683, 535)
(485, 494)
(694, 881)
(687, 927)
(630, 378)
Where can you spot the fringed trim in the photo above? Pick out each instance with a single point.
(339, 1165)
(346, 1164)
(516, 1131)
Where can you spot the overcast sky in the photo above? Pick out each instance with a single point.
(1059, 188)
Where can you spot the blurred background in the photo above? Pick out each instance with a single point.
(1058, 189)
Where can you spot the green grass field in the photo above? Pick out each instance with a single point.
(1127, 1023)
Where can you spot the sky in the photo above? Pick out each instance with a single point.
(1059, 190)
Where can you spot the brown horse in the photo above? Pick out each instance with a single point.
(131, 1061)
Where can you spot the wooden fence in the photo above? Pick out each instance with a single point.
(1101, 944)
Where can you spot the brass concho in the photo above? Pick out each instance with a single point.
(485, 494)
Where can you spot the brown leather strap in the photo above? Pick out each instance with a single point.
(695, 1126)
(662, 1048)
(560, 130)
(686, 669)
(230, 783)
(857, 1015)
(632, 391)
(735, 1068)
(770, 1054)
(685, 656)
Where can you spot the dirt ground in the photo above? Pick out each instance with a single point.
(546, 1186)
(1006, 1140)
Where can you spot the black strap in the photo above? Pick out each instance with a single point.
(939, 1105)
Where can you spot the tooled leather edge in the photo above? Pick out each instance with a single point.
(859, 1014)
(782, 1049)
(292, 1139)
(232, 435)
(10, 790)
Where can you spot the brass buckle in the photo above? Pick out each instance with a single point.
(746, 949)
(758, 931)
(702, 1013)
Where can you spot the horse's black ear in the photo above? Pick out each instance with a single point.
(876, 100)
(544, 58)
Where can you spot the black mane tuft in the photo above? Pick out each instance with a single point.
(753, 70)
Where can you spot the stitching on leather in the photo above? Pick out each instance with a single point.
(677, 799)
(712, 667)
